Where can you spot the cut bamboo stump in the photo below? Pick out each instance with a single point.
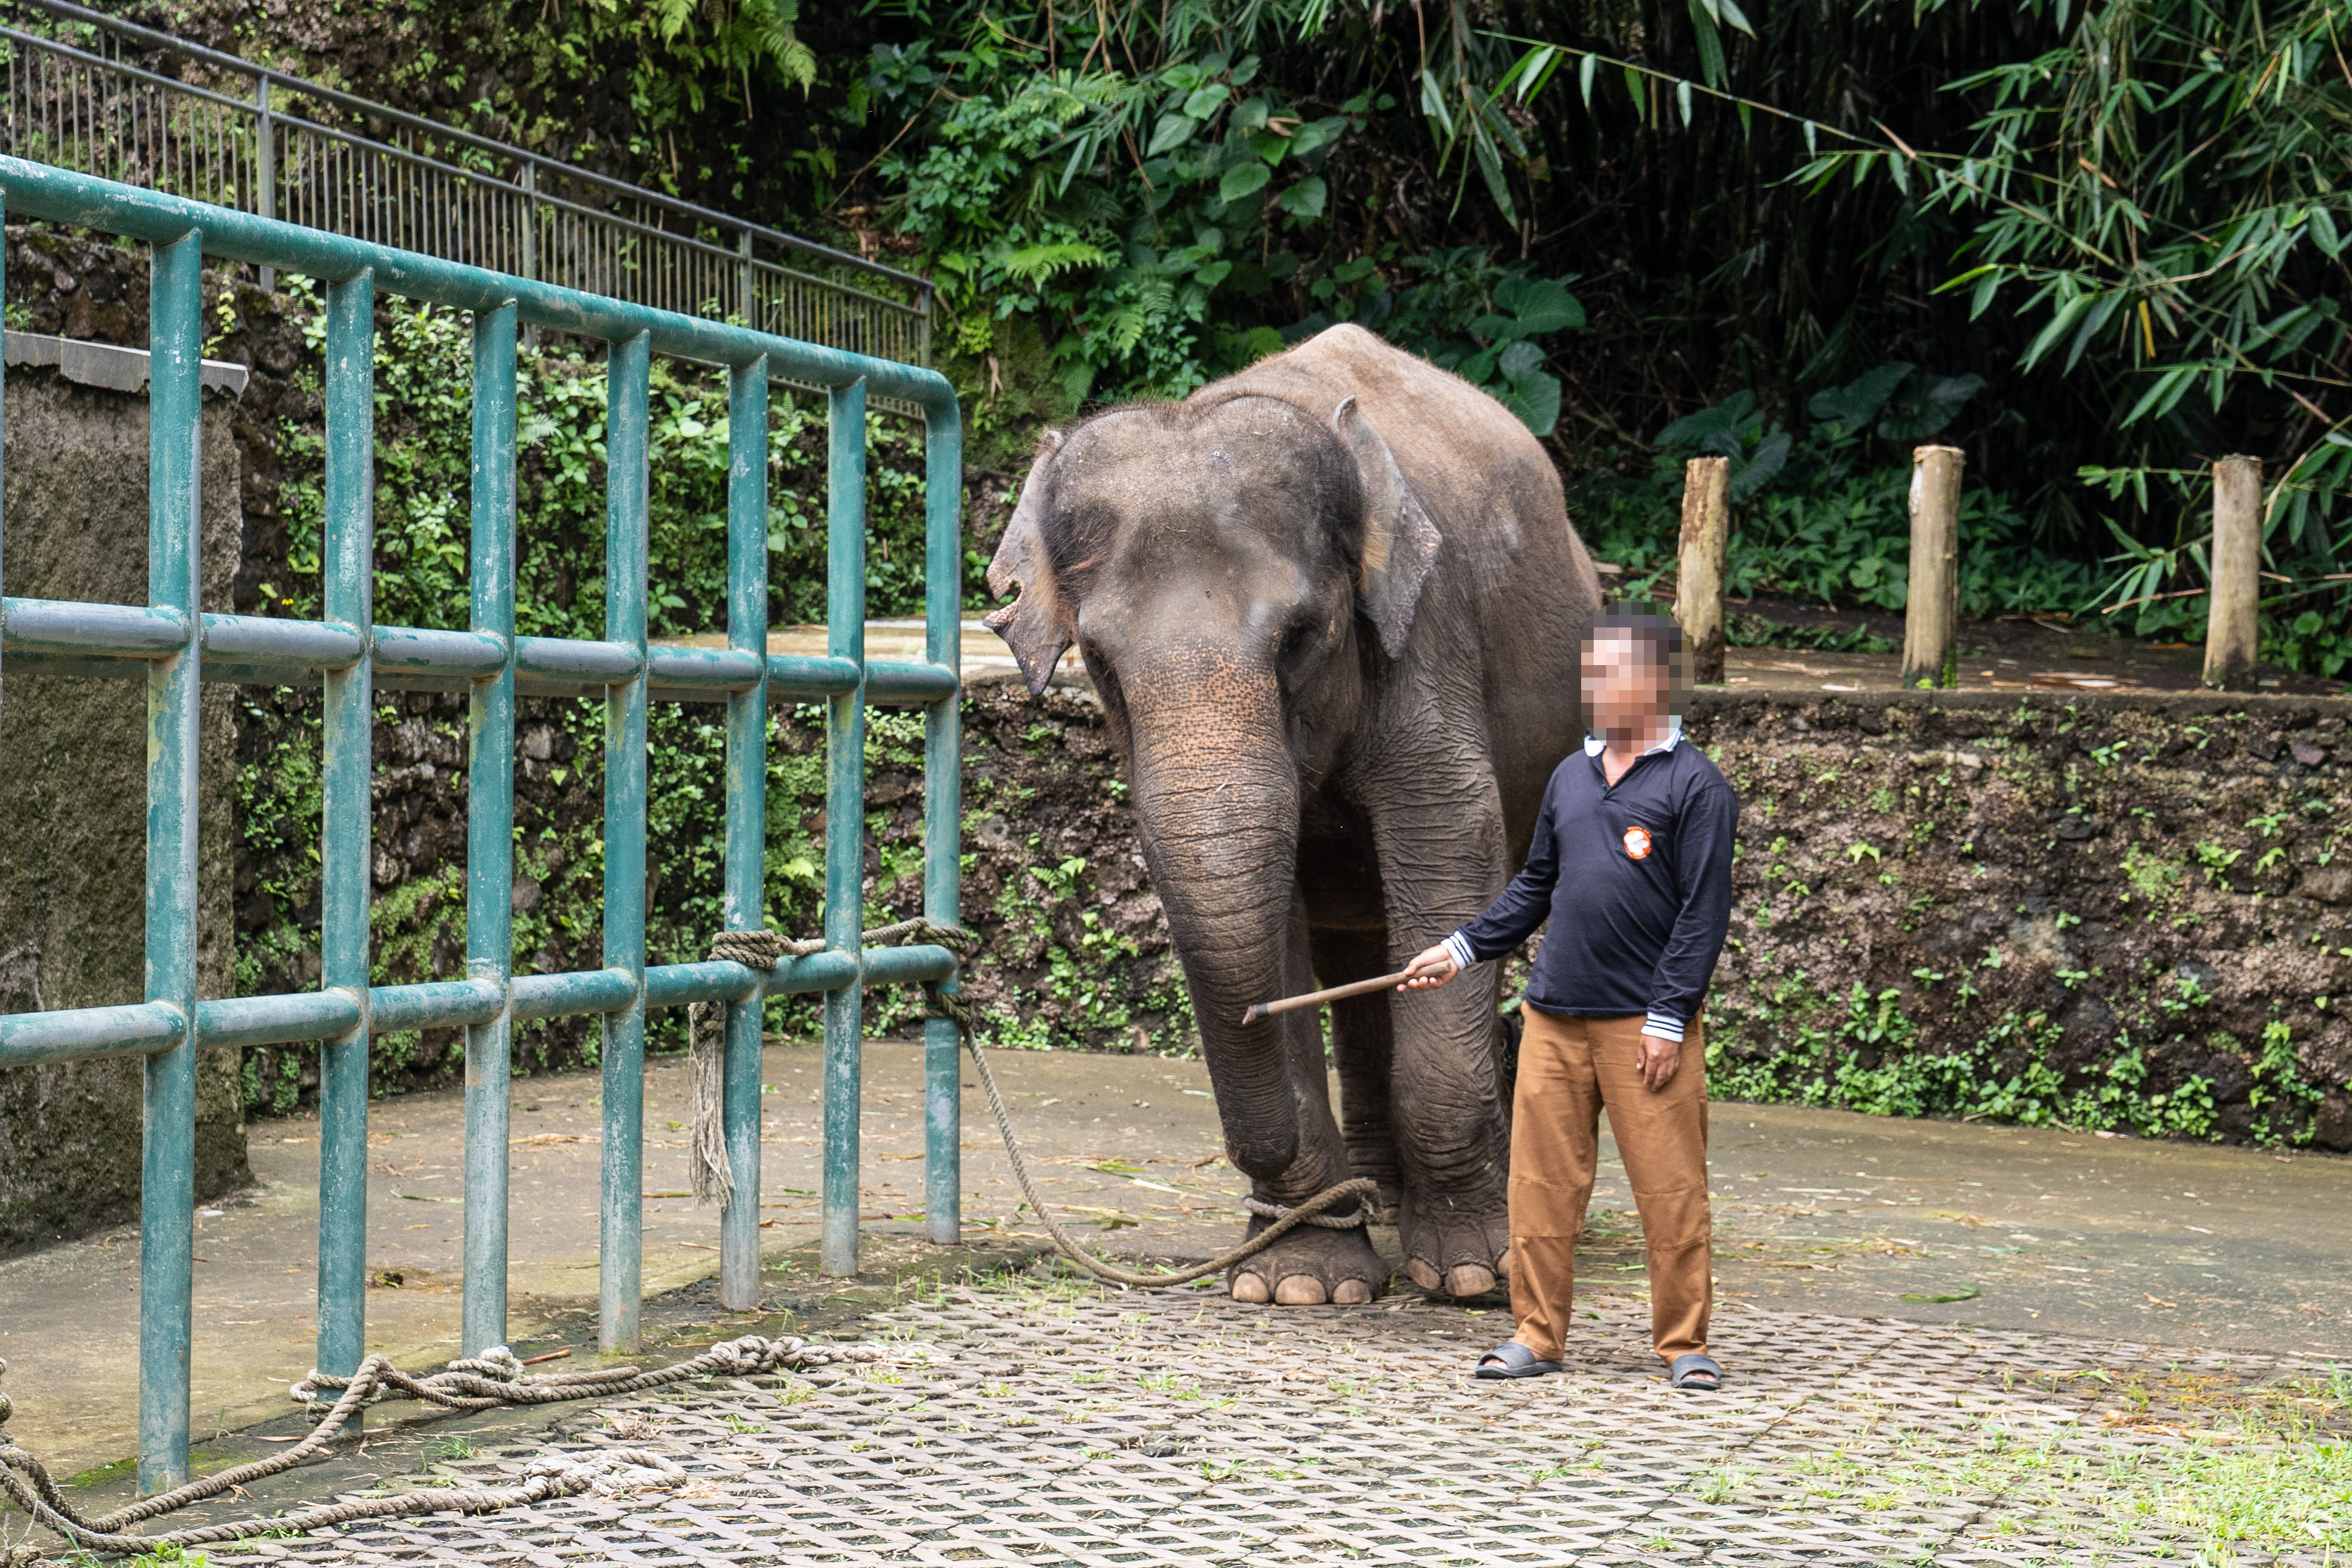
(2233, 621)
(1931, 609)
(1705, 540)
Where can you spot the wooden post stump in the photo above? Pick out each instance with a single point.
(1931, 609)
(2233, 621)
(1705, 541)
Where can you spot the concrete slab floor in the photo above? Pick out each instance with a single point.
(2172, 1244)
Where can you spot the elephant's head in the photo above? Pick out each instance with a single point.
(1236, 572)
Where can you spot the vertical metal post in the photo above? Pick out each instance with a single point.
(844, 817)
(343, 837)
(174, 563)
(2234, 617)
(489, 833)
(620, 1279)
(747, 816)
(942, 815)
(265, 173)
(530, 238)
(744, 282)
(530, 220)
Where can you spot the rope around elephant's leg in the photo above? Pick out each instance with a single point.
(1361, 1188)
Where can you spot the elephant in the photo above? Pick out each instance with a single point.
(1334, 610)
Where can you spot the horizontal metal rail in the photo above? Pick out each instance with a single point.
(241, 143)
(173, 645)
(52, 637)
(146, 1029)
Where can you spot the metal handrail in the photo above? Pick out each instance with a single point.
(357, 105)
(535, 216)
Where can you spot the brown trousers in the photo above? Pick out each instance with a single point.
(1569, 1068)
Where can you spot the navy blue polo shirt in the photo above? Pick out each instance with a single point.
(1636, 882)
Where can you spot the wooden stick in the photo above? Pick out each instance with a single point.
(1317, 998)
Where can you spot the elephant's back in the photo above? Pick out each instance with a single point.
(1472, 462)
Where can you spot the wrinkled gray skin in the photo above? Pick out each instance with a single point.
(1333, 606)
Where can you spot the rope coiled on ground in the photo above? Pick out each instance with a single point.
(485, 1382)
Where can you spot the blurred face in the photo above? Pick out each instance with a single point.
(1624, 689)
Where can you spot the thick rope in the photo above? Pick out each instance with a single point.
(1265, 1210)
(1361, 1188)
(710, 1174)
(708, 1170)
(481, 1383)
(496, 1378)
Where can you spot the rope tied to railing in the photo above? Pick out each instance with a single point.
(709, 1174)
(491, 1380)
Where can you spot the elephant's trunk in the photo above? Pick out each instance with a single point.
(1216, 793)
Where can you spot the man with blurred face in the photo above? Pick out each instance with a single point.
(1630, 862)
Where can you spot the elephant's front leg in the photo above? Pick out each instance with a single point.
(1453, 1138)
(1313, 1263)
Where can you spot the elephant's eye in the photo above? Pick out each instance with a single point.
(1294, 641)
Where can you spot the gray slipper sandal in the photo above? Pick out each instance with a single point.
(1694, 1374)
(1512, 1358)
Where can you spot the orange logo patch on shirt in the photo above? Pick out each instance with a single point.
(1637, 842)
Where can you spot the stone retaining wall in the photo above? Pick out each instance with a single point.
(2121, 912)
(73, 820)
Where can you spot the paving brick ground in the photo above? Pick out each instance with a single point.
(1939, 1338)
(1053, 1424)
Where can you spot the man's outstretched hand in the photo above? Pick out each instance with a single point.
(1432, 969)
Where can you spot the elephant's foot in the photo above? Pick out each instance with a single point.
(1308, 1266)
(1456, 1247)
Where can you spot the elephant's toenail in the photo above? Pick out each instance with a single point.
(1351, 1292)
(1299, 1290)
(1249, 1288)
(1469, 1280)
(1503, 1264)
(1421, 1272)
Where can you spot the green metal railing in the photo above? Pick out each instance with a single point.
(173, 644)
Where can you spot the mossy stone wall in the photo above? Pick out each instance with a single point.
(2127, 912)
(73, 824)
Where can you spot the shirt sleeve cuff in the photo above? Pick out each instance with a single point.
(1665, 1026)
(1457, 947)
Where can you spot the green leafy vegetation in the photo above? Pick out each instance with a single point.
(2094, 244)
(1861, 1053)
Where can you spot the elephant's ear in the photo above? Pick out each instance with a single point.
(1399, 541)
(1034, 625)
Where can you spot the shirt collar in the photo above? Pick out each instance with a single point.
(1594, 745)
